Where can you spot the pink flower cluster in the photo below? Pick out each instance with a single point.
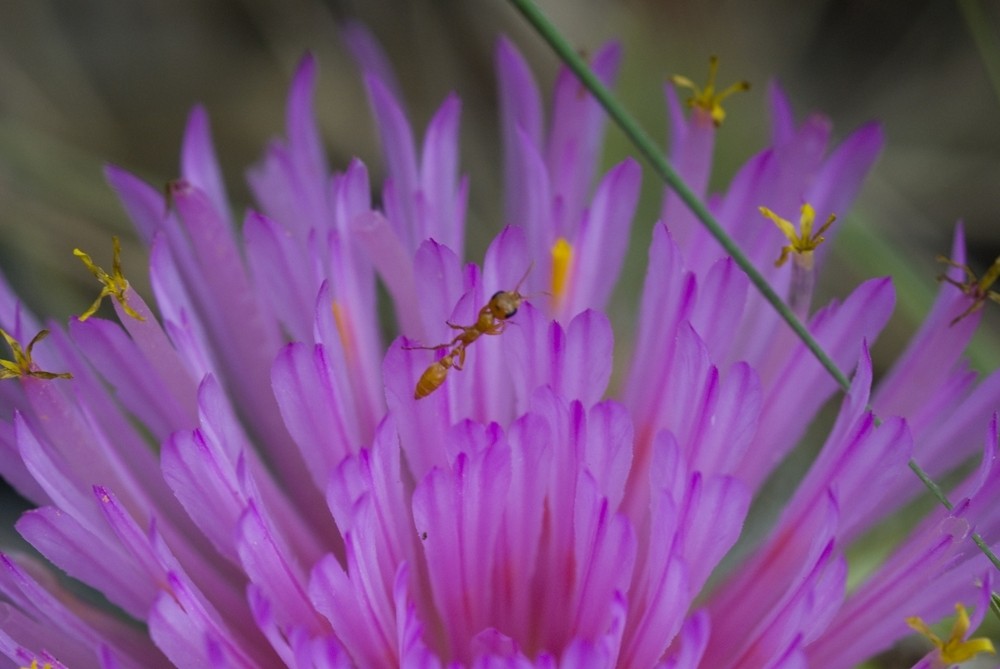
(248, 476)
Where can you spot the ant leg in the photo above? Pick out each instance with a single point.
(426, 348)
(438, 347)
(497, 328)
(460, 349)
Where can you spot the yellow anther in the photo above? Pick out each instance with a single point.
(562, 261)
(956, 648)
(114, 284)
(22, 364)
(978, 289)
(34, 665)
(803, 241)
(342, 321)
(707, 98)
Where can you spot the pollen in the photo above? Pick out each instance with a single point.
(562, 261)
(34, 665)
(114, 284)
(707, 99)
(22, 365)
(979, 289)
(342, 321)
(803, 241)
(956, 648)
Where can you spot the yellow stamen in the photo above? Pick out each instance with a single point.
(562, 261)
(114, 284)
(803, 241)
(341, 320)
(34, 665)
(978, 289)
(22, 364)
(956, 648)
(706, 98)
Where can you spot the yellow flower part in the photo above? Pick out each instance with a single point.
(34, 665)
(803, 241)
(956, 648)
(562, 261)
(114, 284)
(22, 364)
(707, 98)
(340, 319)
(978, 289)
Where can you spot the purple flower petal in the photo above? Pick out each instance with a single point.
(304, 144)
(520, 113)
(782, 119)
(574, 362)
(127, 370)
(457, 510)
(388, 253)
(439, 180)
(718, 312)
(400, 157)
(840, 330)
(315, 406)
(199, 164)
(269, 565)
(85, 628)
(692, 141)
(532, 208)
(668, 297)
(69, 545)
(368, 53)
(603, 239)
(287, 285)
(576, 133)
(143, 204)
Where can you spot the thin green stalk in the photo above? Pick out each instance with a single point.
(985, 38)
(648, 148)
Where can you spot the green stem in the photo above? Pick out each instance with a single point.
(648, 148)
(985, 38)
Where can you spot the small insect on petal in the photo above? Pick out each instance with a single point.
(492, 320)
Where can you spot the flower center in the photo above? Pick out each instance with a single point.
(34, 665)
(562, 260)
(114, 284)
(22, 365)
(707, 99)
(956, 648)
(803, 241)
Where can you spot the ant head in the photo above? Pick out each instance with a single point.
(504, 304)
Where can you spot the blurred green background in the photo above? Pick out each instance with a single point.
(83, 83)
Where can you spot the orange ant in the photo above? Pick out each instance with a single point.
(492, 320)
(976, 288)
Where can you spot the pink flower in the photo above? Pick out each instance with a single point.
(250, 477)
